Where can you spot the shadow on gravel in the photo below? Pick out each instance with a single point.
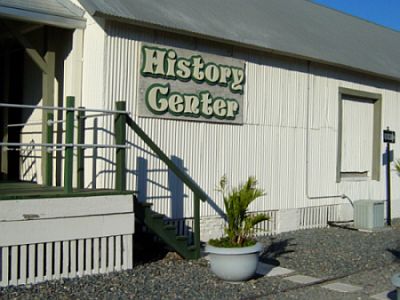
(392, 295)
(276, 249)
(147, 248)
(395, 253)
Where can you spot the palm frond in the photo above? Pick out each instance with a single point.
(237, 200)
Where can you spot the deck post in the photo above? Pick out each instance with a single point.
(81, 153)
(197, 225)
(49, 152)
(69, 150)
(120, 134)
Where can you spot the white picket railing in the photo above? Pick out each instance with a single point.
(64, 238)
(34, 263)
(317, 216)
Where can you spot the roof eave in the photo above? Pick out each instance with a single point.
(42, 18)
(245, 45)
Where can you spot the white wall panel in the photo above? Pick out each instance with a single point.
(291, 118)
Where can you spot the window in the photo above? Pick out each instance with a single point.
(359, 135)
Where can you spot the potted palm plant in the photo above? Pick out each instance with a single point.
(234, 257)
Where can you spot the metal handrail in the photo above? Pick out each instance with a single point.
(48, 145)
(105, 111)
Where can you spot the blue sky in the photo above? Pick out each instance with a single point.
(383, 12)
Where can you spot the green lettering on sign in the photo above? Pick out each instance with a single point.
(177, 83)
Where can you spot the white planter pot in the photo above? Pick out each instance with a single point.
(234, 264)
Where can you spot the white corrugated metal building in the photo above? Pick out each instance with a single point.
(319, 87)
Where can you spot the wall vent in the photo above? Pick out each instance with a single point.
(368, 214)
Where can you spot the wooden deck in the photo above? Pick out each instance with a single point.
(10, 190)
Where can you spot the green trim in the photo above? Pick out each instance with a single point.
(120, 140)
(196, 214)
(69, 151)
(339, 140)
(359, 94)
(376, 134)
(28, 190)
(49, 154)
(80, 150)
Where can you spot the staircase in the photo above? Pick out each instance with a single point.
(167, 232)
(155, 221)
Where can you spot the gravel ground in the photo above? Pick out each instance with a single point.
(359, 258)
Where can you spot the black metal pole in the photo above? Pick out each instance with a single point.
(388, 202)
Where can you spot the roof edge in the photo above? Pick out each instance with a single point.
(244, 45)
(34, 16)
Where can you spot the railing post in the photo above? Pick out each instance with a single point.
(120, 133)
(94, 155)
(49, 153)
(69, 150)
(80, 150)
(197, 225)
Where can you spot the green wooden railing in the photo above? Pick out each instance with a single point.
(198, 193)
(121, 121)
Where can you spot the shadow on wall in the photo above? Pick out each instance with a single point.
(172, 199)
(167, 195)
(178, 199)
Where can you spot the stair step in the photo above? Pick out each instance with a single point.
(156, 223)
(157, 216)
(170, 227)
(191, 248)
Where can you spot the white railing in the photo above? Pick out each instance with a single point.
(35, 263)
(317, 216)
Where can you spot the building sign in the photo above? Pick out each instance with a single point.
(181, 84)
(389, 136)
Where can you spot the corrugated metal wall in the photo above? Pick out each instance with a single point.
(288, 141)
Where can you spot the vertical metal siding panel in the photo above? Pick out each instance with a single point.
(391, 113)
(271, 144)
(327, 83)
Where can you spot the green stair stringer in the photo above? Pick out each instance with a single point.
(167, 233)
